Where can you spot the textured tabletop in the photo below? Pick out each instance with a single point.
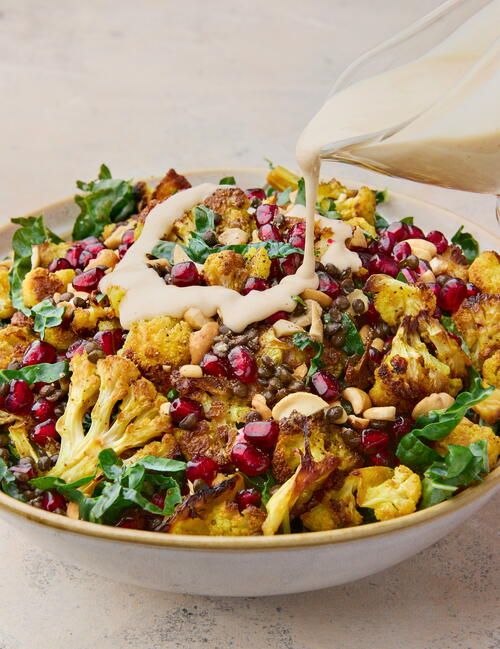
(147, 85)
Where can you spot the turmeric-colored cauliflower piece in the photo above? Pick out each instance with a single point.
(334, 190)
(409, 372)
(335, 509)
(453, 263)
(395, 299)
(258, 262)
(19, 428)
(396, 496)
(362, 205)
(232, 204)
(207, 438)
(170, 184)
(86, 320)
(212, 511)
(60, 337)
(6, 308)
(165, 447)
(447, 349)
(466, 433)
(281, 178)
(484, 272)
(160, 341)
(478, 321)
(226, 268)
(489, 408)
(358, 221)
(491, 369)
(39, 284)
(49, 250)
(13, 343)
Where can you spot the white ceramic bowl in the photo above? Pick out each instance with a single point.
(251, 565)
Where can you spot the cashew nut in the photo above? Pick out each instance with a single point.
(428, 276)
(358, 399)
(259, 404)
(378, 344)
(358, 238)
(422, 248)
(300, 371)
(233, 237)
(384, 413)
(303, 402)
(312, 294)
(107, 258)
(115, 238)
(359, 423)
(365, 333)
(435, 401)
(201, 341)
(316, 328)
(195, 318)
(286, 328)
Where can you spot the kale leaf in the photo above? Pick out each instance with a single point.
(46, 315)
(353, 343)
(227, 180)
(467, 242)
(41, 373)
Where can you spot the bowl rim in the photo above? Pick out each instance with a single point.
(256, 543)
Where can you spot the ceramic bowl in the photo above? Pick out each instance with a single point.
(251, 565)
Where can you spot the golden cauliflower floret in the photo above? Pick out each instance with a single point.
(182, 228)
(362, 223)
(159, 341)
(447, 349)
(396, 496)
(336, 509)
(361, 205)
(59, 337)
(466, 433)
(165, 447)
(212, 511)
(226, 268)
(86, 319)
(484, 272)
(47, 251)
(280, 350)
(491, 369)
(258, 262)
(478, 321)
(281, 178)
(232, 205)
(13, 343)
(39, 283)
(207, 438)
(6, 308)
(333, 189)
(170, 184)
(395, 299)
(453, 263)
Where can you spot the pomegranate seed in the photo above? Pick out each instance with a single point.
(435, 288)
(42, 410)
(297, 242)
(382, 264)
(201, 467)
(110, 340)
(401, 251)
(279, 315)
(73, 255)
(51, 500)
(59, 264)
(398, 229)
(185, 274)
(95, 247)
(270, 232)
(375, 355)
(275, 270)
(371, 315)
(290, 264)
(472, 289)
(39, 352)
(248, 459)
(381, 458)
(26, 470)
(423, 267)
(184, 406)
(128, 237)
(265, 213)
(247, 497)
(158, 499)
(298, 230)
(242, 364)
(84, 258)
(410, 275)
(328, 285)
(44, 431)
(438, 239)
(414, 232)
(325, 385)
(262, 434)
(374, 440)
(254, 284)
(20, 398)
(213, 365)
(401, 426)
(452, 294)
(88, 281)
(132, 521)
(255, 192)
(78, 347)
(386, 243)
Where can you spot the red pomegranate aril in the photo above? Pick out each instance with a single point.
(88, 241)
(433, 286)
(298, 230)
(266, 213)
(247, 497)
(59, 264)
(255, 192)
(262, 434)
(382, 264)
(110, 340)
(128, 237)
(371, 315)
(44, 431)
(185, 274)
(84, 258)
(254, 284)
(95, 247)
(242, 364)
(401, 251)
(184, 406)
(438, 239)
(414, 232)
(398, 229)
(279, 315)
(290, 263)
(20, 398)
(248, 459)
(270, 232)
(201, 467)
(51, 500)
(386, 243)
(410, 275)
(325, 385)
(158, 499)
(472, 289)
(452, 294)
(42, 410)
(39, 352)
(375, 355)
(28, 471)
(374, 440)
(401, 426)
(213, 365)
(88, 281)
(423, 267)
(297, 242)
(381, 458)
(328, 285)
(78, 347)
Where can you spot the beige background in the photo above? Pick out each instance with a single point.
(143, 86)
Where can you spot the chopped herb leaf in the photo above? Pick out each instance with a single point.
(227, 180)
(298, 299)
(380, 222)
(401, 278)
(467, 242)
(381, 195)
(46, 315)
(8, 482)
(283, 197)
(41, 373)
(302, 340)
(164, 250)
(353, 343)
(449, 324)
(408, 220)
(300, 198)
(204, 219)
(172, 394)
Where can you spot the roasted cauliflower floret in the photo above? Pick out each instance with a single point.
(361, 205)
(226, 268)
(258, 262)
(19, 428)
(170, 184)
(60, 337)
(466, 433)
(86, 320)
(489, 408)
(232, 205)
(13, 343)
(358, 221)
(491, 369)
(409, 372)
(395, 299)
(452, 262)
(212, 511)
(159, 341)
(47, 251)
(336, 508)
(6, 308)
(334, 190)
(448, 350)
(281, 178)
(478, 321)
(394, 497)
(125, 415)
(165, 447)
(39, 283)
(484, 272)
